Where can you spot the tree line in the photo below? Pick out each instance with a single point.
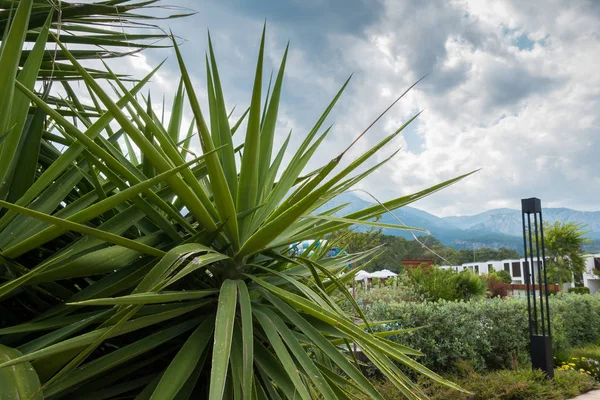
(564, 242)
(396, 248)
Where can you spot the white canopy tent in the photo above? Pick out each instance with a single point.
(362, 275)
(383, 274)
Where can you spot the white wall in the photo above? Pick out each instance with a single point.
(590, 279)
(593, 285)
(516, 278)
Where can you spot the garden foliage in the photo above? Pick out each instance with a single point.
(492, 333)
(585, 359)
(444, 284)
(579, 290)
(519, 384)
(564, 242)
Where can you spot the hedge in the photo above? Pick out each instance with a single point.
(492, 333)
(579, 290)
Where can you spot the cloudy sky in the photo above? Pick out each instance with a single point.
(513, 88)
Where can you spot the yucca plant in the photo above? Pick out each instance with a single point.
(169, 276)
(107, 29)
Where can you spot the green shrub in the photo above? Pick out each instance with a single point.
(572, 383)
(575, 320)
(441, 284)
(469, 286)
(579, 290)
(492, 333)
(366, 298)
(504, 276)
(495, 287)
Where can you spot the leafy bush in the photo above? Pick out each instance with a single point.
(504, 276)
(492, 333)
(519, 384)
(579, 290)
(441, 284)
(572, 384)
(575, 320)
(468, 286)
(495, 287)
(366, 298)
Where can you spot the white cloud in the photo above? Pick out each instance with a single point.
(526, 116)
(513, 89)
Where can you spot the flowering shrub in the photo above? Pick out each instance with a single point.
(591, 351)
(583, 365)
(583, 359)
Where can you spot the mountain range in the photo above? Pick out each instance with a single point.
(501, 227)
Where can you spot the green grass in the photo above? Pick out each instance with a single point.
(590, 351)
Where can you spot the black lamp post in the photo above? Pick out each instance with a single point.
(537, 297)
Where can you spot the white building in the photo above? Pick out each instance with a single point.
(590, 279)
(516, 268)
(456, 268)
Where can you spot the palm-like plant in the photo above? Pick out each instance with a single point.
(105, 29)
(170, 276)
(99, 30)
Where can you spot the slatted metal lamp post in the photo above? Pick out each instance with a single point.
(540, 333)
